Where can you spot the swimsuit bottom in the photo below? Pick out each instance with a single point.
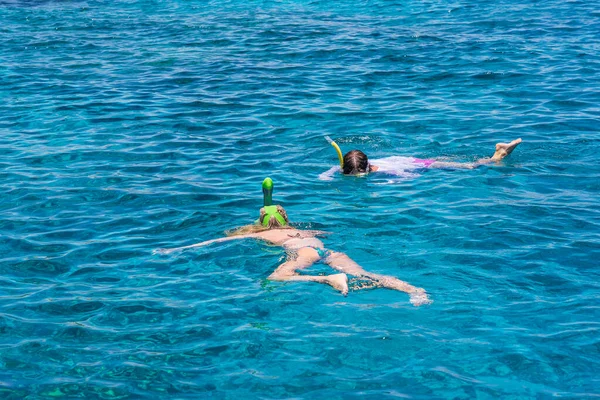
(424, 162)
(323, 253)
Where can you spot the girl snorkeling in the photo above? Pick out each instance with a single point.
(356, 162)
(303, 250)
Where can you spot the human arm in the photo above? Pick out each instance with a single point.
(206, 243)
(315, 233)
(328, 175)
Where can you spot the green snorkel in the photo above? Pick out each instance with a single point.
(270, 209)
(267, 187)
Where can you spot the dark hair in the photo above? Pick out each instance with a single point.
(355, 162)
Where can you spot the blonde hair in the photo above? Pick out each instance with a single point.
(259, 227)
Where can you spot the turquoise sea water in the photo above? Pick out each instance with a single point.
(127, 126)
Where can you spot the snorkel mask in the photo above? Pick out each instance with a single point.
(270, 209)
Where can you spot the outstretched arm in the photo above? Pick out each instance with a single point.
(206, 243)
(315, 233)
(328, 175)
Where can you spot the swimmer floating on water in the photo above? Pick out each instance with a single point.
(303, 250)
(355, 162)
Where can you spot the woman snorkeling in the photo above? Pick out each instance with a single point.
(303, 250)
(356, 162)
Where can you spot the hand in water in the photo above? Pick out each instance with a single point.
(419, 298)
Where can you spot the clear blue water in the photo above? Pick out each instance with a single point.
(128, 126)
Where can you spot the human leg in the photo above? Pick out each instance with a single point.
(345, 264)
(453, 165)
(502, 150)
(304, 258)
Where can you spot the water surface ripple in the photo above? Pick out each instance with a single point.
(127, 126)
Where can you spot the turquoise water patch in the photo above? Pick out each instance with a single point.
(131, 126)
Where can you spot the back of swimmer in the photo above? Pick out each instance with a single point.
(303, 249)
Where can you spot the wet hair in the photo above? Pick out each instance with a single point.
(273, 224)
(355, 162)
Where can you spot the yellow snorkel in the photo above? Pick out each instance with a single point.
(337, 149)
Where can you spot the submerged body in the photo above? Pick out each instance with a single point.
(304, 249)
(394, 165)
(356, 162)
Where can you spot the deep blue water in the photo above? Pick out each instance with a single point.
(127, 126)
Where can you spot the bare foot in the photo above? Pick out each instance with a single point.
(339, 282)
(418, 298)
(504, 149)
